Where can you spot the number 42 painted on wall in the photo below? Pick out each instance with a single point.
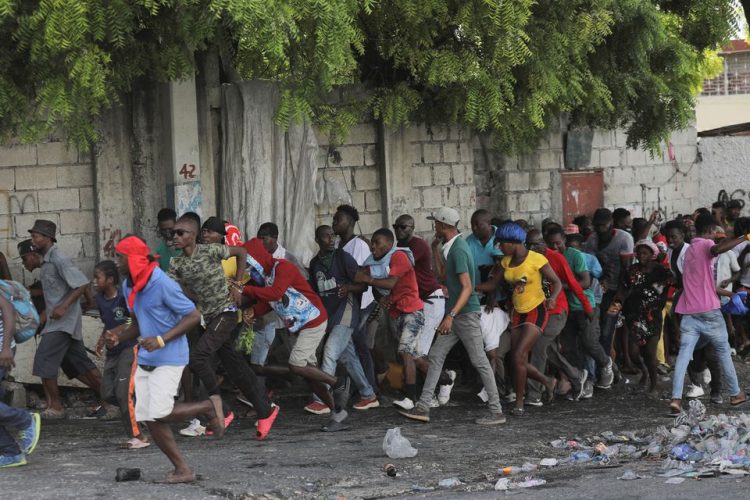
(187, 171)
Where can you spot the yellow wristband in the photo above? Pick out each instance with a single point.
(160, 341)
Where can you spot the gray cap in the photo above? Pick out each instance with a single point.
(446, 215)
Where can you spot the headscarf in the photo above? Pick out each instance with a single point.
(572, 229)
(650, 245)
(511, 232)
(259, 261)
(139, 264)
(233, 237)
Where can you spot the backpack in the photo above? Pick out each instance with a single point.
(27, 317)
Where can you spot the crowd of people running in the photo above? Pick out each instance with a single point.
(529, 314)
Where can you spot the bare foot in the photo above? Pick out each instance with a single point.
(564, 387)
(644, 379)
(175, 477)
(551, 389)
(217, 422)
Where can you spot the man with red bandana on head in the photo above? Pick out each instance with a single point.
(162, 314)
(277, 284)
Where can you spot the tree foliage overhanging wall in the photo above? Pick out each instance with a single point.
(503, 66)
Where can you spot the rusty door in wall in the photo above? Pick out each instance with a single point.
(582, 193)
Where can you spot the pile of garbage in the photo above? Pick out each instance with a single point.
(696, 445)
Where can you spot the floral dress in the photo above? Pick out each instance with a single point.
(644, 305)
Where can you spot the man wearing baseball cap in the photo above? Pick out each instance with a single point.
(461, 321)
(62, 338)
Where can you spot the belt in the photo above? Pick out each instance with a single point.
(433, 297)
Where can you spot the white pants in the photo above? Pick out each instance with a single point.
(433, 315)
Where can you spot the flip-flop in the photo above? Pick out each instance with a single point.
(334, 426)
(738, 403)
(674, 411)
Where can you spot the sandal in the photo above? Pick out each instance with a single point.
(517, 412)
(135, 444)
(675, 411)
(735, 402)
(50, 414)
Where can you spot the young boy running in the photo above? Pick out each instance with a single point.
(390, 270)
(161, 317)
(118, 384)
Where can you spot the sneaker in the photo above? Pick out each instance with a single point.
(533, 402)
(444, 394)
(606, 376)
(416, 413)
(404, 404)
(98, 412)
(433, 403)
(694, 391)
(135, 444)
(195, 429)
(317, 408)
(579, 387)
(12, 460)
(511, 397)
(705, 377)
(264, 425)
(28, 438)
(495, 418)
(483, 395)
(367, 403)
(588, 390)
(716, 399)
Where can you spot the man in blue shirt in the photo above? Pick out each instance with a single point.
(162, 314)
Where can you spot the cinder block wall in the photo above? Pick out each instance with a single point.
(47, 181)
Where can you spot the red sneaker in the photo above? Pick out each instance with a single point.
(317, 408)
(265, 424)
(366, 404)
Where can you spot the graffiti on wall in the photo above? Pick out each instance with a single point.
(738, 194)
(110, 237)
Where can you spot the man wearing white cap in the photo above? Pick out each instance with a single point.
(461, 321)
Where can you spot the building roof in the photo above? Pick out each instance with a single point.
(736, 129)
(735, 46)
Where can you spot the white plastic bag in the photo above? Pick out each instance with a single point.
(397, 446)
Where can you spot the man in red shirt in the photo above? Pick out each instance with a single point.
(546, 347)
(390, 271)
(279, 285)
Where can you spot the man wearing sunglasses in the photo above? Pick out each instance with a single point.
(199, 270)
(166, 219)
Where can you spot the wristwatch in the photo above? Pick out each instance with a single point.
(452, 314)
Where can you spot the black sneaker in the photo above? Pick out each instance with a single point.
(716, 399)
(416, 413)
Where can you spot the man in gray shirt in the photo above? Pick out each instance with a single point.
(62, 340)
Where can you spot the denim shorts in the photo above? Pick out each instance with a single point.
(409, 327)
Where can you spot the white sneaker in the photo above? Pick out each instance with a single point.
(444, 394)
(483, 395)
(694, 391)
(433, 403)
(404, 404)
(195, 429)
(511, 397)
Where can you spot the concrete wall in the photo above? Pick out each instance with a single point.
(47, 181)
(388, 172)
(720, 111)
(528, 186)
(725, 166)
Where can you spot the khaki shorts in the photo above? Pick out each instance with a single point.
(308, 340)
(155, 392)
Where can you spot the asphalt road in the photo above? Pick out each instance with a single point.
(78, 458)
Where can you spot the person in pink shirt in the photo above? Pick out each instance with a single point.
(702, 322)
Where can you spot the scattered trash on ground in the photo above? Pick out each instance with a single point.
(395, 445)
(695, 446)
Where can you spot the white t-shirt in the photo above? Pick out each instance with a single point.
(725, 265)
(360, 250)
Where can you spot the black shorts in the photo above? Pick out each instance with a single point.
(60, 350)
(537, 317)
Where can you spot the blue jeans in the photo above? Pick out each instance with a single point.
(262, 342)
(11, 420)
(360, 344)
(339, 347)
(697, 330)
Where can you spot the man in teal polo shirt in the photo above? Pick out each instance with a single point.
(461, 321)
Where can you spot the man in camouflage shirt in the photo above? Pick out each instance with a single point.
(201, 275)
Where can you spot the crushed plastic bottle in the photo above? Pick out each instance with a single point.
(502, 484)
(580, 456)
(685, 452)
(548, 462)
(450, 482)
(629, 475)
(530, 483)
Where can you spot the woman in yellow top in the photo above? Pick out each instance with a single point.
(523, 271)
